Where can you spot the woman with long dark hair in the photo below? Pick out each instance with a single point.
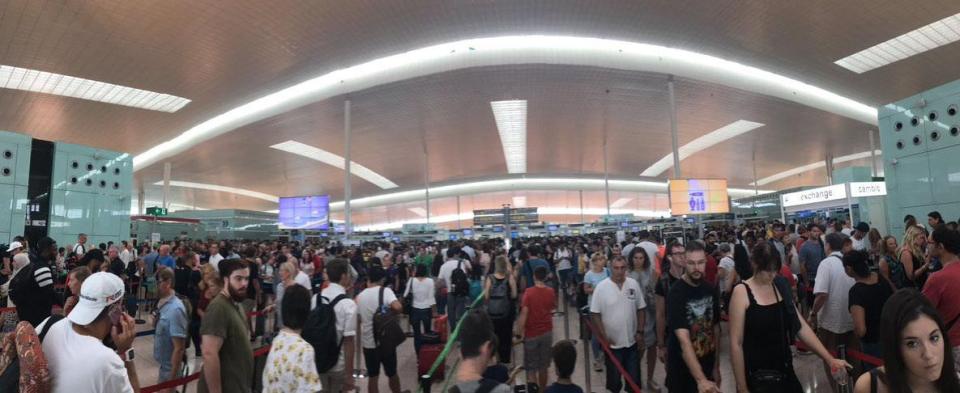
(642, 270)
(763, 324)
(423, 303)
(916, 349)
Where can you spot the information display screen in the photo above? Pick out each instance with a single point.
(698, 196)
(306, 212)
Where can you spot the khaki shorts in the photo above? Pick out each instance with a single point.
(332, 382)
(537, 352)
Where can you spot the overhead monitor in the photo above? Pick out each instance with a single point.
(467, 232)
(552, 228)
(698, 196)
(304, 212)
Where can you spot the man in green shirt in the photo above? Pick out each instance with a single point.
(225, 335)
(423, 258)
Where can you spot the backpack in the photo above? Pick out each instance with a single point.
(459, 284)
(387, 332)
(23, 368)
(499, 305)
(476, 288)
(321, 332)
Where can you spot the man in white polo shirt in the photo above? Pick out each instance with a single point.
(621, 330)
(832, 289)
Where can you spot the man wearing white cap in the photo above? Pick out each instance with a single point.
(79, 362)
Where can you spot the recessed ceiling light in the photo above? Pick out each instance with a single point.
(316, 153)
(214, 187)
(816, 165)
(934, 35)
(712, 138)
(511, 118)
(63, 85)
(620, 203)
(532, 49)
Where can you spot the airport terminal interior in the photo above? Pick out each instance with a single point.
(510, 196)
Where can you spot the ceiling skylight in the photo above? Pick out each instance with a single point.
(932, 36)
(511, 118)
(316, 153)
(504, 50)
(813, 166)
(214, 187)
(712, 138)
(67, 86)
(620, 203)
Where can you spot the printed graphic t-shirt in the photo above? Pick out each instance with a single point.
(697, 309)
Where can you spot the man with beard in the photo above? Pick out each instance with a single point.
(693, 326)
(225, 336)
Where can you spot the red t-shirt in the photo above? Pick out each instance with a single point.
(943, 292)
(710, 274)
(788, 274)
(540, 302)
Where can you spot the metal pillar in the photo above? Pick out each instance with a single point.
(606, 181)
(458, 212)
(849, 205)
(426, 177)
(141, 199)
(756, 187)
(828, 160)
(873, 154)
(674, 138)
(166, 183)
(347, 228)
(582, 221)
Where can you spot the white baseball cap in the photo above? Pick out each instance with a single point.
(98, 292)
(14, 246)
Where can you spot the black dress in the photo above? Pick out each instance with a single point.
(765, 345)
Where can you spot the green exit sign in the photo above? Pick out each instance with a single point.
(156, 211)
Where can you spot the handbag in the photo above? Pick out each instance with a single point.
(771, 380)
(408, 298)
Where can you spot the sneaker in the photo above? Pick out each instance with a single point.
(597, 366)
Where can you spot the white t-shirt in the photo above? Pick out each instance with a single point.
(82, 364)
(367, 303)
(215, 261)
(650, 248)
(562, 259)
(126, 256)
(727, 264)
(833, 280)
(469, 250)
(861, 244)
(423, 292)
(612, 303)
(446, 270)
(847, 231)
(346, 312)
(303, 279)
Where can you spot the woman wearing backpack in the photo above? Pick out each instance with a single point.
(500, 291)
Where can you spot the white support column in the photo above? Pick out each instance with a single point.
(348, 227)
(426, 175)
(674, 137)
(166, 183)
(582, 221)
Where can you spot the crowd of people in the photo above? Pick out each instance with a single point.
(785, 290)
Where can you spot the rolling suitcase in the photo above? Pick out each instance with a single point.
(440, 326)
(429, 354)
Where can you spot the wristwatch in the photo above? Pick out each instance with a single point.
(126, 356)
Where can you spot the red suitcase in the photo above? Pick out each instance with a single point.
(440, 326)
(429, 354)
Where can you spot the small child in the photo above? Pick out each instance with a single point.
(564, 360)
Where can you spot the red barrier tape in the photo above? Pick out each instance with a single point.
(8, 309)
(606, 348)
(193, 377)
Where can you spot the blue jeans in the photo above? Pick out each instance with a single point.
(420, 320)
(456, 305)
(629, 358)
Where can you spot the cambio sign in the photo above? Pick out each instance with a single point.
(814, 195)
(865, 189)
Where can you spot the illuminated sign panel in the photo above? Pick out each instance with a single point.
(698, 196)
(815, 195)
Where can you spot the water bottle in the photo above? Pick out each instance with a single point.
(840, 376)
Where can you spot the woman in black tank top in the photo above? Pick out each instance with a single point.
(763, 324)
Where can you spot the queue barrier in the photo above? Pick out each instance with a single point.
(613, 359)
(262, 351)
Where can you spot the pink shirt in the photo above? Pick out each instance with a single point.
(942, 291)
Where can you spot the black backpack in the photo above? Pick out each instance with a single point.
(459, 284)
(386, 327)
(321, 332)
(499, 305)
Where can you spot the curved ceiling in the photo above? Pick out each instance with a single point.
(223, 56)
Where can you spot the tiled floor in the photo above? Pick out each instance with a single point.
(808, 367)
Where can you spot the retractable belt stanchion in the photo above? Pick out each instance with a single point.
(585, 337)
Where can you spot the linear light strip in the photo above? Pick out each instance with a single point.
(553, 211)
(711, 138)
(511, 119)
(532, 49)
(418, 211)
(816, 165)
(318, 154)
(912, 43)
(67, 86)
(214, 187)
(620, 203)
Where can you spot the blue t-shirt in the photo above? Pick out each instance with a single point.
(172, 323)
(167, 261)
(563, 388)
(532, 265)
(811, 254)
(593, 278)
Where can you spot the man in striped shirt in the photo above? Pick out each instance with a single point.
(32, 289)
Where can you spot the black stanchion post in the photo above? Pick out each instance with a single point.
(585, 337)
(425, 382)
(844, 385)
